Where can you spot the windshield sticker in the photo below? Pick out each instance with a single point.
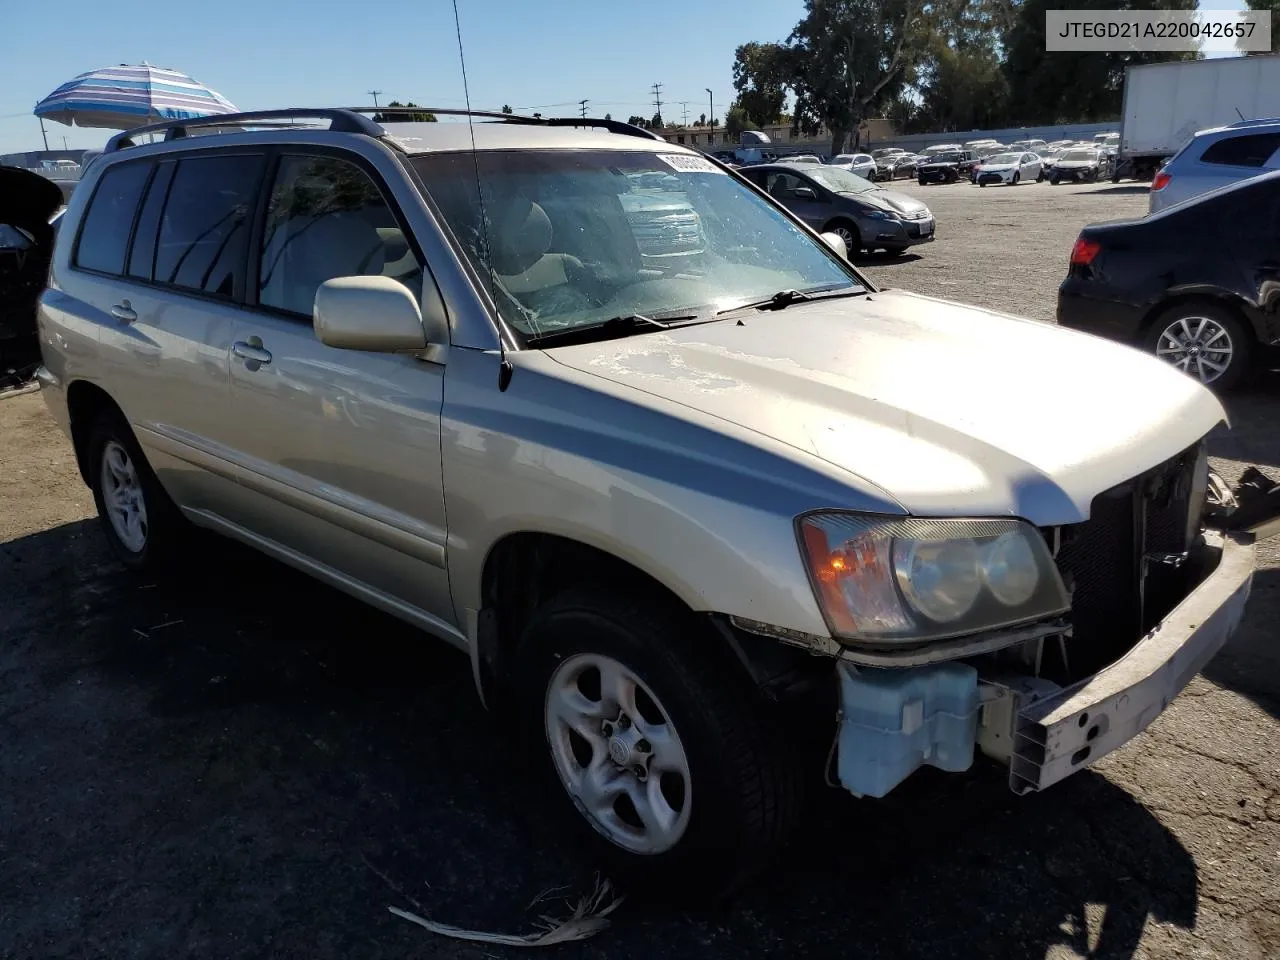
(686, 163)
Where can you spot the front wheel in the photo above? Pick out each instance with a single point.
(849, 234)
(659, 747)
(1203, 340)
(921, 179)
(1053, 181)
(1040, 177)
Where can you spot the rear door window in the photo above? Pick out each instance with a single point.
(104, 237)
(142, 257)
(1252, 150)
(204, 230)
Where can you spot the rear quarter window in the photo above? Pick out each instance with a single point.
(1252, 150)
(104, 236)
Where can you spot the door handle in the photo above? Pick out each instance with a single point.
(124, 312)
(251, 352)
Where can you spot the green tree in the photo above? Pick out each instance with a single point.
(1274, 7)
(1076, 86)
(638, 121)
(656, 123)
(608, 116)
(736, 120)
(399, 117)
(506, 108)
(851, 57)
(761, 73)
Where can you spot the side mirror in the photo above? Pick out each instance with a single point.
(804, 193)
(836, 243)
(376, 314)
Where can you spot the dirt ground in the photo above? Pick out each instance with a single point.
(240, 763)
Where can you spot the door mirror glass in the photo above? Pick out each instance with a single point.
(804, 193)
(372, 313)
(836, 243)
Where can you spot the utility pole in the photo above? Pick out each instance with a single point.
(657, 98)
(582, 106)
(712, 118)
(374, 94)
(64, 144)
(44, 134)
(684, 106)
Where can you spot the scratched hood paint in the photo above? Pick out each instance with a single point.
(951, 409)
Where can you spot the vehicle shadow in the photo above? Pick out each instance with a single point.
(883, 259)
(238, 757)
(1127, 189)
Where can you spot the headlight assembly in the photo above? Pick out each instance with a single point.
(908, 580)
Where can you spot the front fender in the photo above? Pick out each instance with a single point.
(709, 513)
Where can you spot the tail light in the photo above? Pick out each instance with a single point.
(1084, 251)
(1161, 181)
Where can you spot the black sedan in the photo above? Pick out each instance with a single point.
(832, 200)
(1197, 284)
(27, 204)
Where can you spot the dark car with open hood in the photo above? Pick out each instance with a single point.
(28, 202)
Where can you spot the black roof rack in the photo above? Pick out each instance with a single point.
(353, 120)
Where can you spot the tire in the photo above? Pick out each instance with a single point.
(1053, 181)
(737, 804)
(921, 179)
(1239, 342)
(1040, 177)
(142, 525)
(1014, 181)
(982, 185)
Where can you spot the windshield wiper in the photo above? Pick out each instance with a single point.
(607, 330)
(785, 298)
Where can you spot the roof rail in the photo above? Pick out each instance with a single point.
(353, 120)
(613, 126)
(341, 121)
(1260, 121)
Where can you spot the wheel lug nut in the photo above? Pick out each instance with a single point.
(640, 773)
(624, 721)
(643, 746)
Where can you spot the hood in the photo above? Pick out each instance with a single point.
(952, 410)
(1070, 164)
(26, 198)
(892, 201)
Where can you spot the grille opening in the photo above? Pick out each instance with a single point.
(1116, 594)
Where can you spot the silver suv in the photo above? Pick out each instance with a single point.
(1215, 158)
(662, 503)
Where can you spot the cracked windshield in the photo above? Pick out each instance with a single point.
(581, 237)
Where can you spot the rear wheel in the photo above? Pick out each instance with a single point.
(659, 747)
(141, 523)
(1203, 340)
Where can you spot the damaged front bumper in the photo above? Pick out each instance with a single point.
(1051, 737)
(895, 719)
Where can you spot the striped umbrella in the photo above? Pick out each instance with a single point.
(124, 97)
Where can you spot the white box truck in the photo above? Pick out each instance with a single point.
(1166, 103)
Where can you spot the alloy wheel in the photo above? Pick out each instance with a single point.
(1199, 346)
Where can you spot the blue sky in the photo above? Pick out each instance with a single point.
(532, 54)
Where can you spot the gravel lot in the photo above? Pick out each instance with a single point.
(240, 763)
